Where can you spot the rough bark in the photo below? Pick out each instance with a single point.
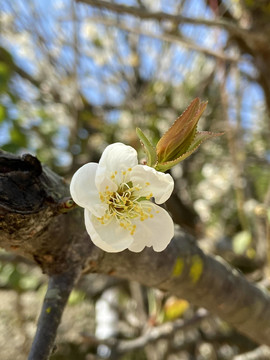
(32, 224)
(33, 218)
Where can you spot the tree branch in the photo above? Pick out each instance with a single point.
(32, 226)
(164, 331)
(184, 270)
(176, 19)
(151, 335)
(167, 37)
(59, 289)
(159, 15)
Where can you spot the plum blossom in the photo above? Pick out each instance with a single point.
(117, 195)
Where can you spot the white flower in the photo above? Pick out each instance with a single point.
(116, 195)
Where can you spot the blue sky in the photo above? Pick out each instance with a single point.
(92, 78)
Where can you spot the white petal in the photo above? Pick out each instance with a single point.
(139, 244)
(152, 181)
(83, 189)
(104, 183)
(115, 159)
(110, 238)
(157, 231)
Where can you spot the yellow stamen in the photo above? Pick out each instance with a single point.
(124, 205)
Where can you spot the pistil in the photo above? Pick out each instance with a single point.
(125, 204)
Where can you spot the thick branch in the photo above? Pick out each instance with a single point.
(184, 270)
(59, 289)
(32, 225)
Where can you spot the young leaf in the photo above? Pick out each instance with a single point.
(148, 148)
(177, 140)
(199, 138)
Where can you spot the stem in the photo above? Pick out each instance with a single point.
(59, 289)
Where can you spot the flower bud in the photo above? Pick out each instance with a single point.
(176, 141)
(182, 139)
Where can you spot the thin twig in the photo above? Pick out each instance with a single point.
(59, 289)
(163, 331)
(166, 37)
(152, 335)
(161, 16)
(233, 140)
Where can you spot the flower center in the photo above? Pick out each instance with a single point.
(126, 204)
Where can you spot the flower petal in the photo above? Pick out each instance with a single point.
(152, 181)
(115, 159)
(83, 189)
(157, 231)
(110, 237)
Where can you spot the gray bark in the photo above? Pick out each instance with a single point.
(33, 223)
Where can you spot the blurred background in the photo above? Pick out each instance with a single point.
(77, 76)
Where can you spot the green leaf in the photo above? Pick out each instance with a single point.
(4, 76)
(241, 241)
(11, 147)
(18, 137)
(148, 148)
(199, 138)
(2, 113)
(76, 297)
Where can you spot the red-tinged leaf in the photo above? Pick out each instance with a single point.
(199, 138)
(181, 134)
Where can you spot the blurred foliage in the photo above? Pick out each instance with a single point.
(175, 308)
(71, 83)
